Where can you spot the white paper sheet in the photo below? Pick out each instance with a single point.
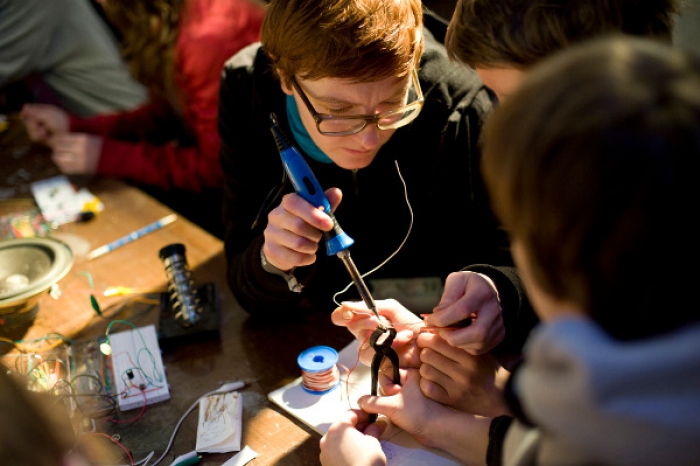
(220, 421)
(319, 412)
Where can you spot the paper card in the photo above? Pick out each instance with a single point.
(241, 459)
(59, 201)
(220, 421)
(319, 412)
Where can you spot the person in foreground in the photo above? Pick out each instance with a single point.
(36, 429)
(594, 183)
(366, 92)
(488, 36)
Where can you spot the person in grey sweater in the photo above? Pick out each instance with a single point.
(65, 54)
(591, 165)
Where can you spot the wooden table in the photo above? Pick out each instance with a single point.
(262, 351)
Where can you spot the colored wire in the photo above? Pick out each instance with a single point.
(320, 381)
(57, 291)
(110, 291)
(108, 404)
(349, 372)
(133, 419)
(157, 375)
(112, 439)
(222, 389)
(24, 347)
(10, 342)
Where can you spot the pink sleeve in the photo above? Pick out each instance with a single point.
(146, 121)
(166, 166)
(212, 33)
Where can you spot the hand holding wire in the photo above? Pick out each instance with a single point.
(361, 323)
(469, 315)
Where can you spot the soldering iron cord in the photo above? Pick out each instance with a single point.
(391, 256)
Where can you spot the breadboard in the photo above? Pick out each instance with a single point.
(137, 352)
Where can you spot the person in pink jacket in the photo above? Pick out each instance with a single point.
(177, 49)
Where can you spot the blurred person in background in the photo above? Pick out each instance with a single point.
(61, 52)
(169, 146)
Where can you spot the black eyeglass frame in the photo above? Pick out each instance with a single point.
(320, 117)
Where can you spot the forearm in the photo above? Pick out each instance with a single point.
(154, 122)
(463, 435)
(167, 166)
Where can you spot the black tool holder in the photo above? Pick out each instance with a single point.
(187, 312)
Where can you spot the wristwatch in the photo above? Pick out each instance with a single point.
(289, 277)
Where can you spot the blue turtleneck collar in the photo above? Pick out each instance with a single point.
(301, 135)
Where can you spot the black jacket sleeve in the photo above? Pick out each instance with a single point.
(497, 434)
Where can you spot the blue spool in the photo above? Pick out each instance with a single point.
(318, 359)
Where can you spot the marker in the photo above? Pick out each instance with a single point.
(190, 461)
(157, 225)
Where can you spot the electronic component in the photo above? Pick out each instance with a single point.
(188, 313)
(138, 351)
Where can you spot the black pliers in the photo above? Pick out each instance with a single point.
(382, 347)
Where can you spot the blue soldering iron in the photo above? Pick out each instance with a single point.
(308, 187)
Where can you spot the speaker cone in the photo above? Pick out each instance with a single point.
(28, 267)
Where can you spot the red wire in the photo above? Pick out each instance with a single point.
(131, 459)
(133, 419)
(357, 361)
(320, 381)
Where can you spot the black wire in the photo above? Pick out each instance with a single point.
(100, 387)
(110, 405)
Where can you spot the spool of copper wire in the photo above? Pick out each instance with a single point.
(319, 371)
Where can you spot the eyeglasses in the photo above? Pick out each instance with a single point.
(332, 125)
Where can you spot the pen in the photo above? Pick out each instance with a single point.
(231, 386)
(167, 220)
(190, 461)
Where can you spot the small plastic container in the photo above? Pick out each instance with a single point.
(315, 361)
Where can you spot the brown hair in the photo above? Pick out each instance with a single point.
(149, 30)
(592, 165)
(364, 39)
(518, 33)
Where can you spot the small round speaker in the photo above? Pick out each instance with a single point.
(28, 267)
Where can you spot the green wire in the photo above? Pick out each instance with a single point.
(95, 305)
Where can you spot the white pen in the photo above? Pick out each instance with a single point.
(167, 220)
(188, 458)
(231, 386)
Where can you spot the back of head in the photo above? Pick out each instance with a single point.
(365, 39)
(519, 33)
(149, 30)
(592, 165)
